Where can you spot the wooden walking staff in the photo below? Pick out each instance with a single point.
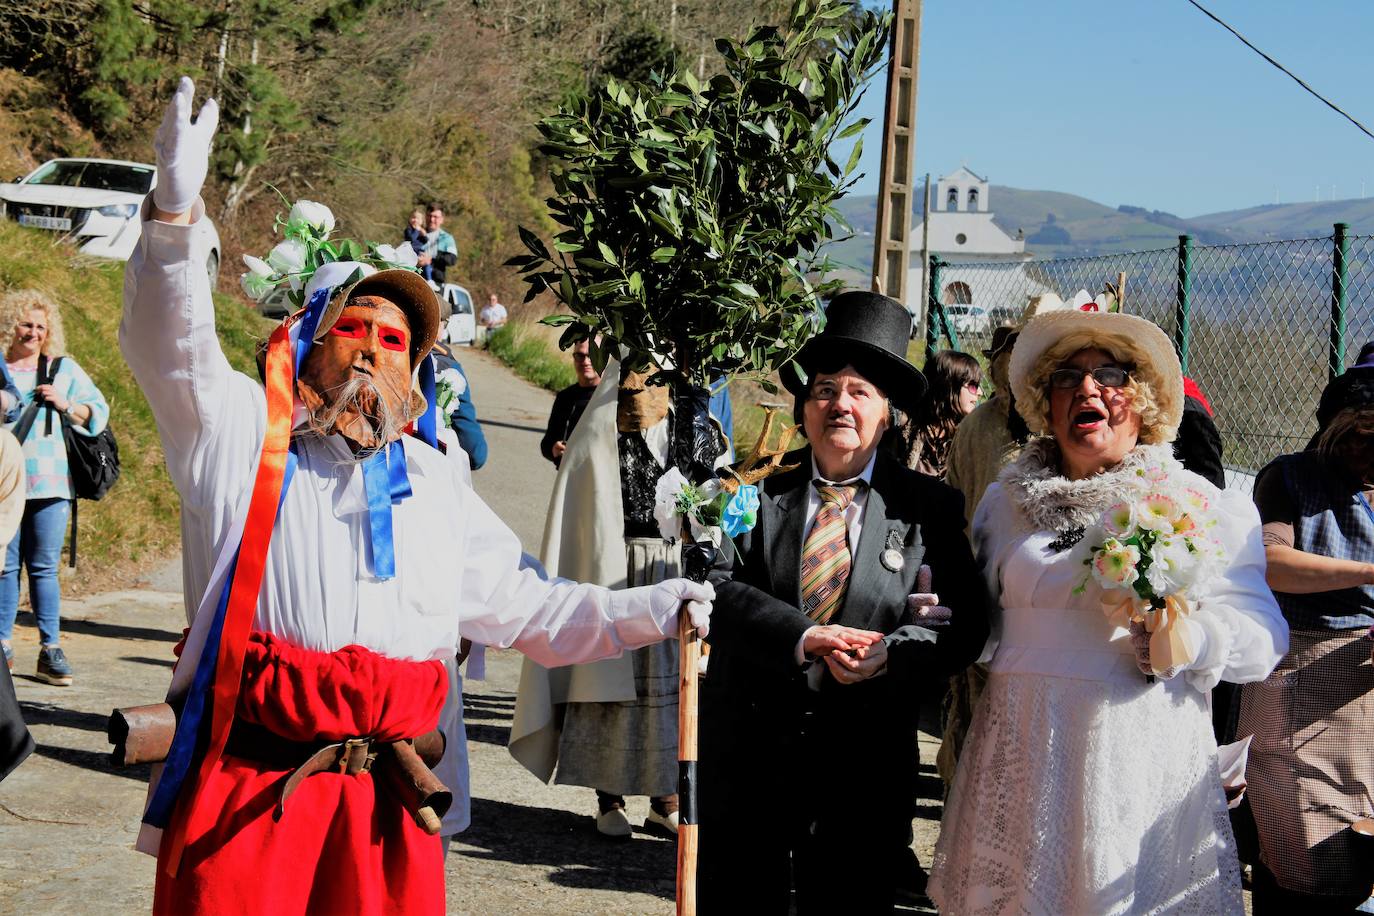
(695, 453)
(689, 659)
(763, 460)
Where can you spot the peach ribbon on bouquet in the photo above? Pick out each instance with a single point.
(1171, 646)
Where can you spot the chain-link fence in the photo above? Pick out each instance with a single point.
(1260, 327)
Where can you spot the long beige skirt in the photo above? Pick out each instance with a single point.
(630, 748)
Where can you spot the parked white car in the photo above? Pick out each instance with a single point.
(93, 202)
(969, 319)
(460, 324)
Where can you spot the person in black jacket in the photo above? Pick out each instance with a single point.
(569, 404)
(1198, 445)
(821, 646)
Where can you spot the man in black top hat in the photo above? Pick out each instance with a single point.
(824, 639)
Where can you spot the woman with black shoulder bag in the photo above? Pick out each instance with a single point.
(53, 388)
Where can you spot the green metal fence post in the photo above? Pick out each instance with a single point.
(934, 313)
(1340, 249)
(1182, 332)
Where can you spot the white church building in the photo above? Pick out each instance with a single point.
(996, 282)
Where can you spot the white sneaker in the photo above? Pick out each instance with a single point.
(661, 822)
(614, 823)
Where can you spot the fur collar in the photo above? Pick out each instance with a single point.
(1049, 501)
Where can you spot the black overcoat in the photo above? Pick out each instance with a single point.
(767, 735)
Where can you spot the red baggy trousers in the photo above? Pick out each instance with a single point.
(344, 844)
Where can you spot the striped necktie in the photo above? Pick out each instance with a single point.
(825, 555)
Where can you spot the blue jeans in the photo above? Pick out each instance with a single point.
(39, 545)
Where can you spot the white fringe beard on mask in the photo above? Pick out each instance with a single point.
(386, 424)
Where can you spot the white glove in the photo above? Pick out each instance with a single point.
(183, 150)
(668, 596)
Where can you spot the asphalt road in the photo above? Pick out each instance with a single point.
(68, 820)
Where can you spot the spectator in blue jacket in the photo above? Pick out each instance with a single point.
(464, 419)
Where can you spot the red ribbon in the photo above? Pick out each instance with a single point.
(246, 587)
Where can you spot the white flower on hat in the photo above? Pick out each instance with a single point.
(257, 282)
(401, 256)
(288, 257)
(309, 213)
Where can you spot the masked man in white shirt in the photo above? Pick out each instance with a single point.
(319, 546)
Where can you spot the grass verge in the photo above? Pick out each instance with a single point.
(137, 523)
(531, 356)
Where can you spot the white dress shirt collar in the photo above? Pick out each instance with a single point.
(866, 475)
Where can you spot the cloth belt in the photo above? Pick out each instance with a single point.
(349, 757)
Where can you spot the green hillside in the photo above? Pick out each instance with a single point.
(136, 524)
(1293, 221)
(1056, 225)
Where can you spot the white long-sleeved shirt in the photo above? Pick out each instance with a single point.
(457, 564)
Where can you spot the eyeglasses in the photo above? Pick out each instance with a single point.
(974, 386)
(1104, 376)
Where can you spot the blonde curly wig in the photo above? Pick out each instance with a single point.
(1155, 386)
(15, 306)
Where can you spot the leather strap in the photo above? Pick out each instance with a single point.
(349, 757)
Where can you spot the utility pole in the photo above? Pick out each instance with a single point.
(892, 228)
(918, 330)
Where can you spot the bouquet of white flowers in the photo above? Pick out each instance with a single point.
(1149, 552)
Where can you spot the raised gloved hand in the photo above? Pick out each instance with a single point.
(924, 605)
(183, 150)
(667, 596)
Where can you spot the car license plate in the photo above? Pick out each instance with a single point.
(45, 222)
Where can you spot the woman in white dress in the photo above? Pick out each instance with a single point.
(1086, 786)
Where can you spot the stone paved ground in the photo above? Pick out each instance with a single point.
(67, 820)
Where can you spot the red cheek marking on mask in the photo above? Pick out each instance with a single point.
(392, 338)
(348, 327)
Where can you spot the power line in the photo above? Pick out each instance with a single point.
(1323, 99)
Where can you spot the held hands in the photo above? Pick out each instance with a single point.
(924, 605)
(694, 597)
(851, 655)
(183, 151)
(859, 665)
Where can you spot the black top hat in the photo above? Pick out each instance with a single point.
(869, 332)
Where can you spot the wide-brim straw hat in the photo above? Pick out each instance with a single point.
(411, 293)
(1130, 338)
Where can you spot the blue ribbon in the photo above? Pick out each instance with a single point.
(193, 721)
(310, 321)
(387, 482)
(428, 424)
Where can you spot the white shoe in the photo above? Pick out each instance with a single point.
(614, 823)
(658, 821)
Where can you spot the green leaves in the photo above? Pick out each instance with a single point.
(688, 214)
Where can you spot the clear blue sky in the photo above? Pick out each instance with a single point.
(1144, 102)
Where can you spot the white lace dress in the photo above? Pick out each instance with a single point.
(1083, 789)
